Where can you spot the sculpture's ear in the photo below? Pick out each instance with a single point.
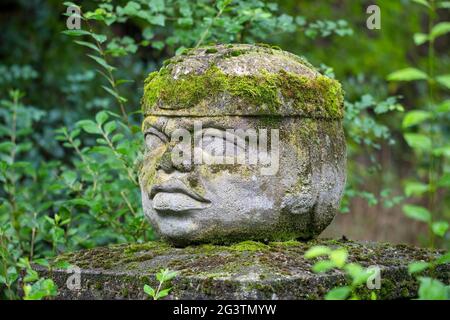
(149, 121)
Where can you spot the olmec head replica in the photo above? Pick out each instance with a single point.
(243, 142)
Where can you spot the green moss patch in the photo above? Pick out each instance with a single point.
(316, 96)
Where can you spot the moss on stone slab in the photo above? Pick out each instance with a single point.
(246, 270)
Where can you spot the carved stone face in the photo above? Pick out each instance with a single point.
(187, 202)
(293, 188)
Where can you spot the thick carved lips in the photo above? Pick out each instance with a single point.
(176, 186)
(175, 197)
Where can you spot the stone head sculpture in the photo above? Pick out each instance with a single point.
(243, 142)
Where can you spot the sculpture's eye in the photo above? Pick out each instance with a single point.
(154, 140)
(217, 142)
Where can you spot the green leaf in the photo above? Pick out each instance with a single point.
(80, 201)
(415, 189)
(149, 290)
(339, 293)
(157, 5)
(31, 276)
(87, 44)
(420, 38)
(6, 146)
(444, 107)
(185, 22)
(158, 20)
(101, 117)
(41, 289)
(117, 137)
(180, 50)
(99, 37)
(114, 94)
(323, 266)
(42, 262)
(222, 4)
(415, 117)
(418, 141)
(100, 14)
(440, 29)
(158, 45)
(61, 264)
(444, 181)
(432, 289)
(339, 257)
(132, 8)
(439, 228)
(110, 127)
(11, 275)
(442, 151)
(317, 251)
(165, 275)
(101, 62)
(122, 81)
(445, 258)
(444, 5)
(89, 126)
(417, 212)
(358, 273)
(444, 80)
(417, 267)
(76, 32)
(163, 293)
(422, 2)
(70, 4)
(407, 74)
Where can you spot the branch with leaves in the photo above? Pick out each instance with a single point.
(164, 276)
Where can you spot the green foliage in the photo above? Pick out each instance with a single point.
(366, 131)
(164, 276)
(407, 74)
(332, 259)
(424, 133)
(51, 208)
(432, 289)
(36, 288)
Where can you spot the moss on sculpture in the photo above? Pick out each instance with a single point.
(241, 80)
(311, 95)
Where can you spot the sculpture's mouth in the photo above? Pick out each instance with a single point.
(175, 197)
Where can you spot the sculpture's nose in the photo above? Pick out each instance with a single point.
(168, 164)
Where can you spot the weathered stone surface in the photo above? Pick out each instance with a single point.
(247, 270)
(236, 202)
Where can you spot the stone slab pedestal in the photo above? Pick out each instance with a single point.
(247, 270)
